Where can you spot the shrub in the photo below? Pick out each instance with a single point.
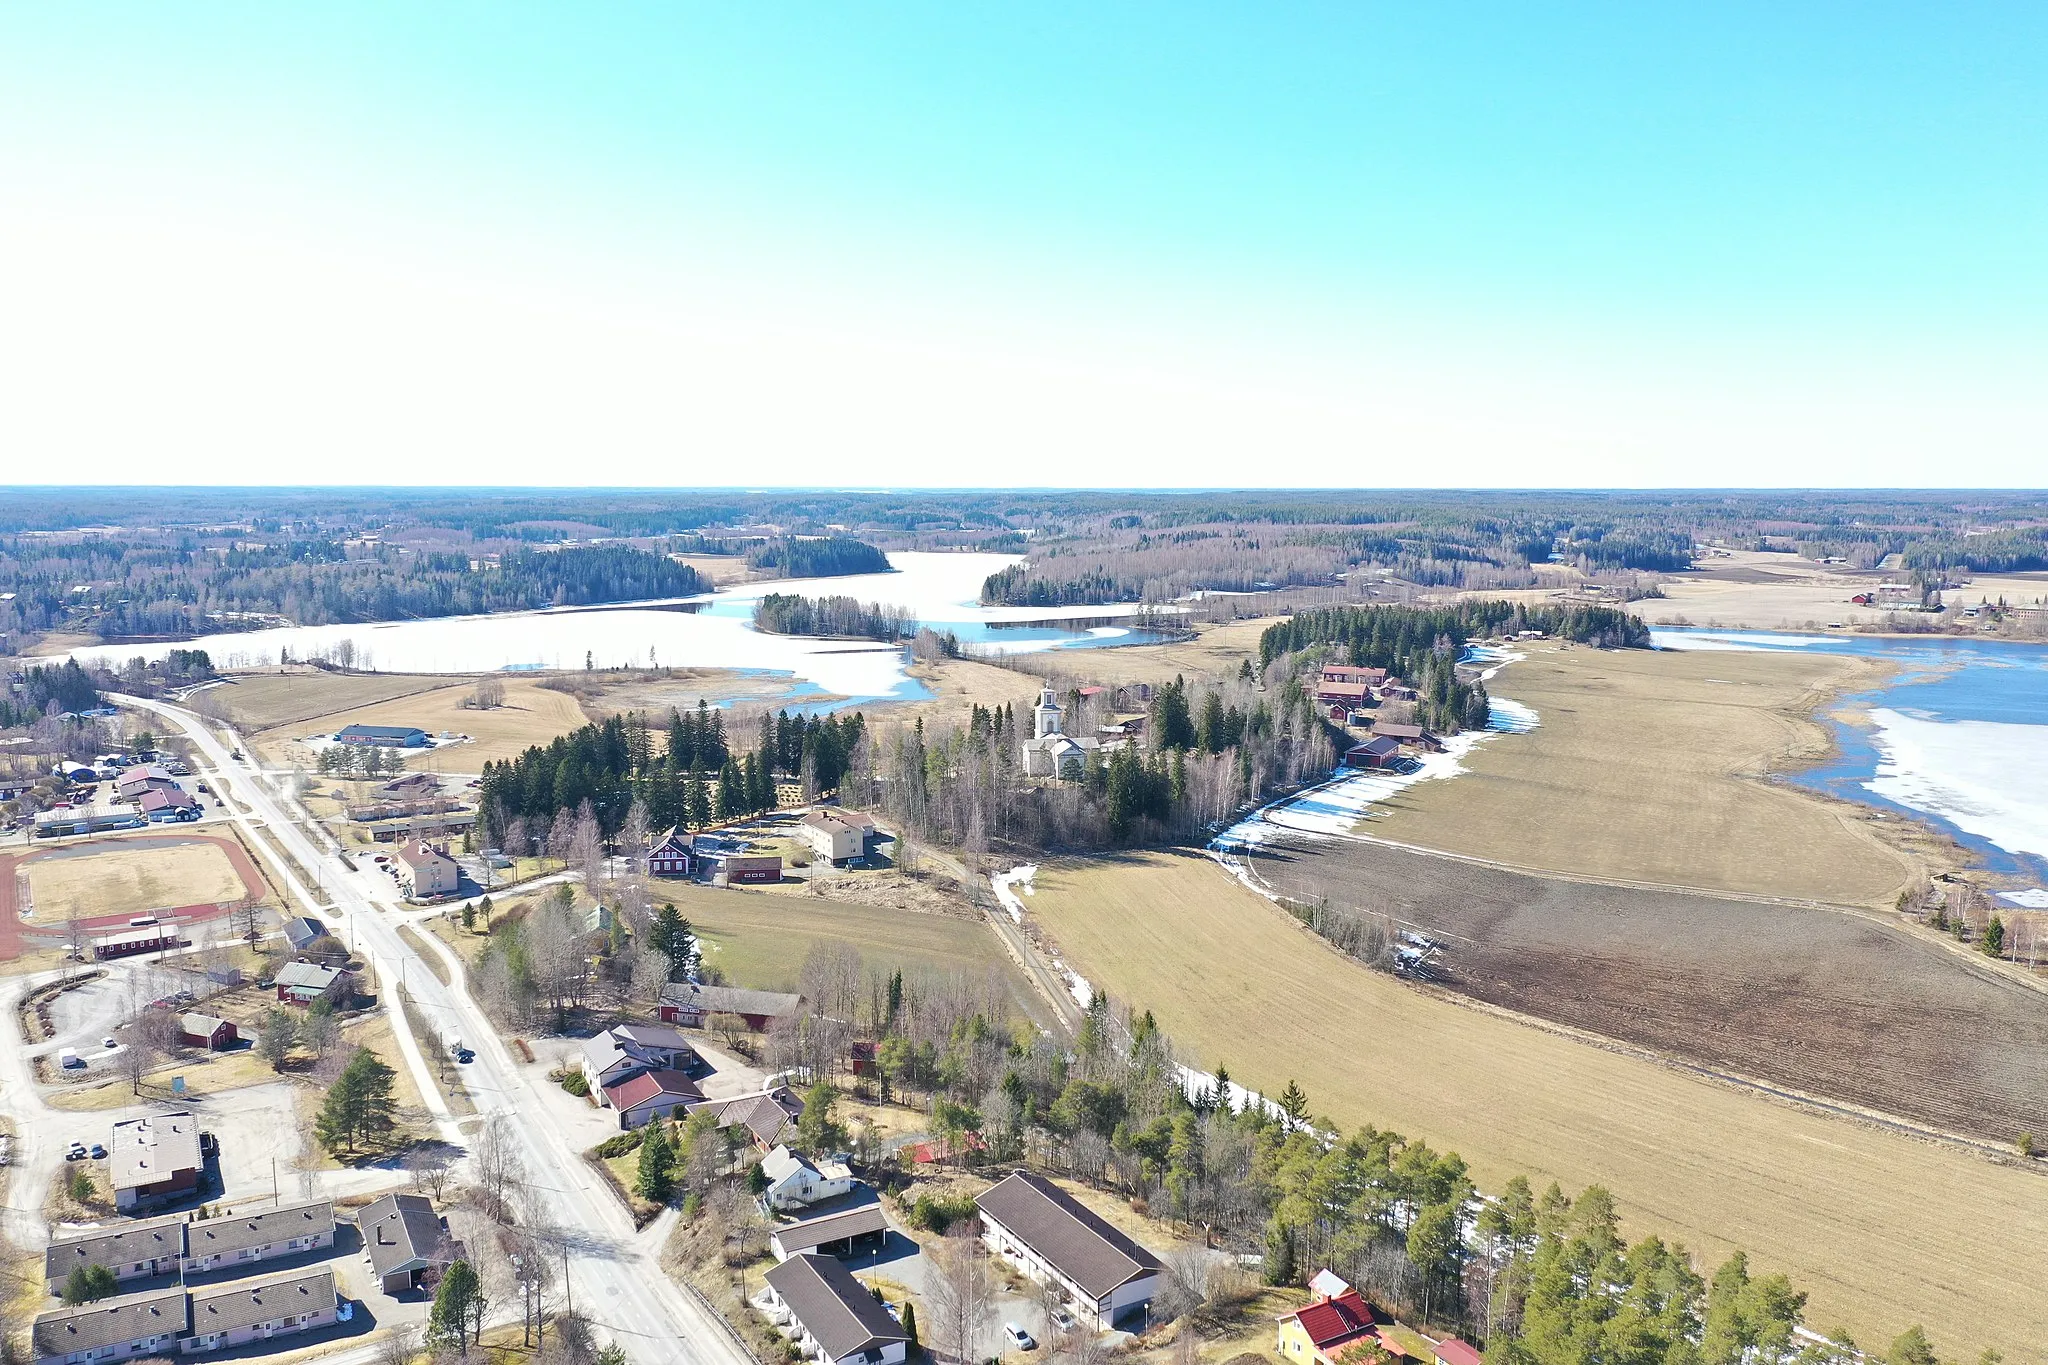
(576, 1083)
(622, 1144)
(936, 1215)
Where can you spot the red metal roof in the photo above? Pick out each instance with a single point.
(1452, 1351)
(1334, 1322)
(649, 1084)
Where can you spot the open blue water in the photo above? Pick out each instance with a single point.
(1958, 736)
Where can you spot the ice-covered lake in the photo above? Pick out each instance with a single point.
(711, 631)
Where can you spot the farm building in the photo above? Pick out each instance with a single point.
(1378, 752)
(688, 1003)
(850, 1232)
(383, 736)
(670, 856)
(154, 1160)
(229, 1315)
(1412, 735)
(203, 1030)
(833, 1315)
(1353, 673)
(742, 869)
(1056, 1240)
(425, 871)
(406, 1242)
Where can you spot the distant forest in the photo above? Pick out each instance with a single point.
(824, 557)
(789, 614)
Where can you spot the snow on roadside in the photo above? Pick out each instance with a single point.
(1004, 881)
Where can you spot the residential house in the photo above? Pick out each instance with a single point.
(1413, 736)
(850, 1232)
(229, 1315)
(425, 871)
(1054, 1239)
(1455, 1351)
(406, 1242)
(795, 1182)
(303, 931)
(1352, 673)
(689, 1003)
(624, 1051)
(204, 1030)
(133, 1251)
(302, 983)
(837, 835)
(649, 1095)
(118, 1328)
(383, 736)
(768, 1115)
(153, 1160)
(670, 855)
(239, 1239)
(832, 1315)
(1330, 1324)
(1340, 699)
(747, 869)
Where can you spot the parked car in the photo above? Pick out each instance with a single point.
(110, 1041)
(75, 1152)
(1019, 1338)
(1063, 1321)
(99, 1153)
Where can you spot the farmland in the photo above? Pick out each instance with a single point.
(532, 714)
(259, 700)
(1651, 766)
(1842, 1206)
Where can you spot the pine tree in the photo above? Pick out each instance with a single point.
(910, 1323)
(1994, 938)
(656, 1174)
(458, 1302)
(1294, 1104)
(358, 1107)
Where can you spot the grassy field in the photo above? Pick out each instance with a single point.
(1647, 766)
(259, 700)
(1882, 1230)
(759, 939)
(1215, 652)
(112, 880)
(532, 714)
(1777, 591)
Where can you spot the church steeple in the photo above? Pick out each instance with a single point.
(1047, 715)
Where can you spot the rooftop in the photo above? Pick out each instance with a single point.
(1066, 1234)
(808, 1233)
(122, 1244)
(145, 1151)
(400, 1229)
(835, 1308)
(110, 1322)
(727, 999)
(650, 1085)
(1337, 1320)
(244, 1303)
(217, 1235)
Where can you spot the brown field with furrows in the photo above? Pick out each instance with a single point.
(532, 714)
(259, 700)
(1881, 1229)
(1651, 766)
(1828, 1002)
(759, 939)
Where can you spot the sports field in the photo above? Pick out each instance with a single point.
(1650, 765)
(126, 877)
(1881, 1229)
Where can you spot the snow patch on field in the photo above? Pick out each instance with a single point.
(1006, 884)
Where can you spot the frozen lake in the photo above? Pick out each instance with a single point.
(711, 631)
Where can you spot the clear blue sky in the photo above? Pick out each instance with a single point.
(1318, 244)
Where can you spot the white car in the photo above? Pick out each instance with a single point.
(1019, 1338)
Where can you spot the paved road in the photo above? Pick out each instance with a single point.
(616, 1280)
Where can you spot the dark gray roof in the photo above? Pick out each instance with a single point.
(310, 976)
(303, 929)
(727, 999)
(111, 1322)
(400, 1230)
(764, 1115)
(1066, 1234)
(243, 1303)
(122, 1244)
(835, 1308)
(651, 1035)
(217, 1235)
(380, 731)
(831, 1227)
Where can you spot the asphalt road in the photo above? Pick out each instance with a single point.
(615, 1280)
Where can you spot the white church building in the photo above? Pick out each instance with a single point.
(1049, 750)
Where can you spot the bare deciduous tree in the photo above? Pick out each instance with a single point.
(496, 1168)
(430, 1164)
(961, 1293)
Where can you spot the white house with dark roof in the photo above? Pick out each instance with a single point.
(1055, 1239)
(831, 1316)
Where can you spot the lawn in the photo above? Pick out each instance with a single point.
(1649, 766)
(1881, 1229)
(205, 1074)
(759, 939)
(123, 878)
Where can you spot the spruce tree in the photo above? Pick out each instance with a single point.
(458, 1302)
(656, 1175)
(358, 1107)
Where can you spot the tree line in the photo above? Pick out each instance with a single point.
(790, 614)
(1389, 636)
(817, 557)
(171, 584)
(49, 688)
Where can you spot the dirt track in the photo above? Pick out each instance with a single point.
(1821, 1001)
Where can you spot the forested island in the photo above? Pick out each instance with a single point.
(791, 614)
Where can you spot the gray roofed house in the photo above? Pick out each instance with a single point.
(690, 1003)
(845, 1233)
(283, 1231)
(405, 1240)
(766, 1115)
(834, 1313)
(227, 1315)
(1053, 1237)
(126, 1325)
(301, 983)
(152, 1246)
(154, 1158)
(302, 931)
